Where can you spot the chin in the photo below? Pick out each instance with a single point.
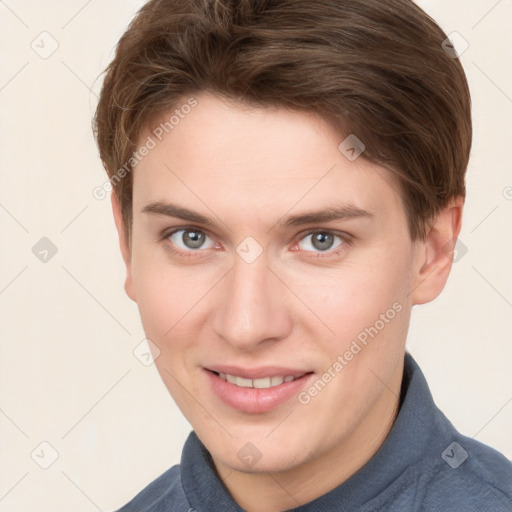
(258, 455)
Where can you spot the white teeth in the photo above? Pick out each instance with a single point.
(278, 380)
(244, 383)
(263, 383)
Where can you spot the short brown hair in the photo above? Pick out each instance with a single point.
(370, 68)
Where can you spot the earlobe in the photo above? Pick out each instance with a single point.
(435, 253)
(124, 245)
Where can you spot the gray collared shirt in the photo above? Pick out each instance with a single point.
(424, 465)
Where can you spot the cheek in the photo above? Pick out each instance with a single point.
(359, 297)
(164, 304)
(366, 307)
(171, 299)
(168, 307)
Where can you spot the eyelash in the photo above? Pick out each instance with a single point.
(348, 241)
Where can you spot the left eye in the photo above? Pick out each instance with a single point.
(322, 241)
(190, 239)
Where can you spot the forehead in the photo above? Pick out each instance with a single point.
(255, 160)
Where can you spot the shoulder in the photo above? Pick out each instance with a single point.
(166, 490)
(472, 474)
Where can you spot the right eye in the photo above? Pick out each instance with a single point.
(189, 239)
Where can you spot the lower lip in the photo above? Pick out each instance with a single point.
(255, 400)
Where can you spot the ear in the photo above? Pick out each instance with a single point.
(435, 253)
(124, 245)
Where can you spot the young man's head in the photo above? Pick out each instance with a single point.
(288, 181)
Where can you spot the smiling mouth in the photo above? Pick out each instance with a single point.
(261, 383)
(266, 390)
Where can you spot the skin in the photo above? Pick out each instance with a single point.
(296, 305)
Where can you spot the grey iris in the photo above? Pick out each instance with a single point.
(193, 239)
(322, 241)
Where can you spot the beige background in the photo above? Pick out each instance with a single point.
(69, 376)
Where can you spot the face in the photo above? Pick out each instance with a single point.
(260, 251)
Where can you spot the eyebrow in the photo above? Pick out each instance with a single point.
(331, 213)
(343, 211)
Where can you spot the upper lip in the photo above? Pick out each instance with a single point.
(257, 373)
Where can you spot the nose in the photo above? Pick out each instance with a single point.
(251, 306)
